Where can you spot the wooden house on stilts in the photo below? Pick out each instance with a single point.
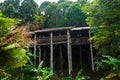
(63, 48)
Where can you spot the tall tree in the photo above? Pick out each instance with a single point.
(44, 5)
(64, 13)
(10, 6)
(1, 6)
(74, 15)
(82, 2)
(9, 11)
(105, 13)
(50, 15)
(62, 8)
(28, 10)
(42, 13)
(60, 1)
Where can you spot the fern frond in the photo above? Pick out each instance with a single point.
(12, 46)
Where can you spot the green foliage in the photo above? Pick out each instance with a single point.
(104, 13)
(5, 25)
(28, 10)
(82, 2)
(9, 11)
(32, 73)
(39, 20)
(60, 1)
(1, 14)
(103, 17)
(62, 8)
(79, 76)
(25, 10)
(63, 13)
(115, 63)
(67, 78)
(10, 8)
(99, 65)
(102, 79)
(43, 71)
(51, 15)
(44, 5)
(109, 65)
(4, 75)
(74, 15)
(12, 44)
(13, 58)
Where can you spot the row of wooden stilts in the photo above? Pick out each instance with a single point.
(69, 53)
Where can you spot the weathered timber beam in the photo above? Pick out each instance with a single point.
(34, 50)
(39, 54)
(91, 53)
(51, 51)
(80, 56)
(53, 43)
(61, 59)
(69, 52)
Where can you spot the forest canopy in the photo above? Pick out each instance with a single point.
(48, 14)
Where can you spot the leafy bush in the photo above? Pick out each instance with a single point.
(115, 63)
(79, 76)
(111, 64)
(67, 78)
(12, 43)
(39, 73)
(4, 75)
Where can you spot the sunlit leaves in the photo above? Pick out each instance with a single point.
(5, 24)
(104, 13)
(12, 42)
(13, 59)
(0, 14)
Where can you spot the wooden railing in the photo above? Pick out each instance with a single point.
(43, 40)
(63, 38)
(80, 41)
(60, 38)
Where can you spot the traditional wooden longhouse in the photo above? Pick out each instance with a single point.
(51, 45)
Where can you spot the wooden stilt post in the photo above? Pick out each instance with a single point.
(61, 60)
(91, 53)
(80, 56)
(44, 55)
(39, 54)
(69, 52)
(35, 50)
(51, 51)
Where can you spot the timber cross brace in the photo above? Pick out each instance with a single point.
(56, 43)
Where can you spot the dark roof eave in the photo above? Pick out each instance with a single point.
(59, 29)
(53, 29)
